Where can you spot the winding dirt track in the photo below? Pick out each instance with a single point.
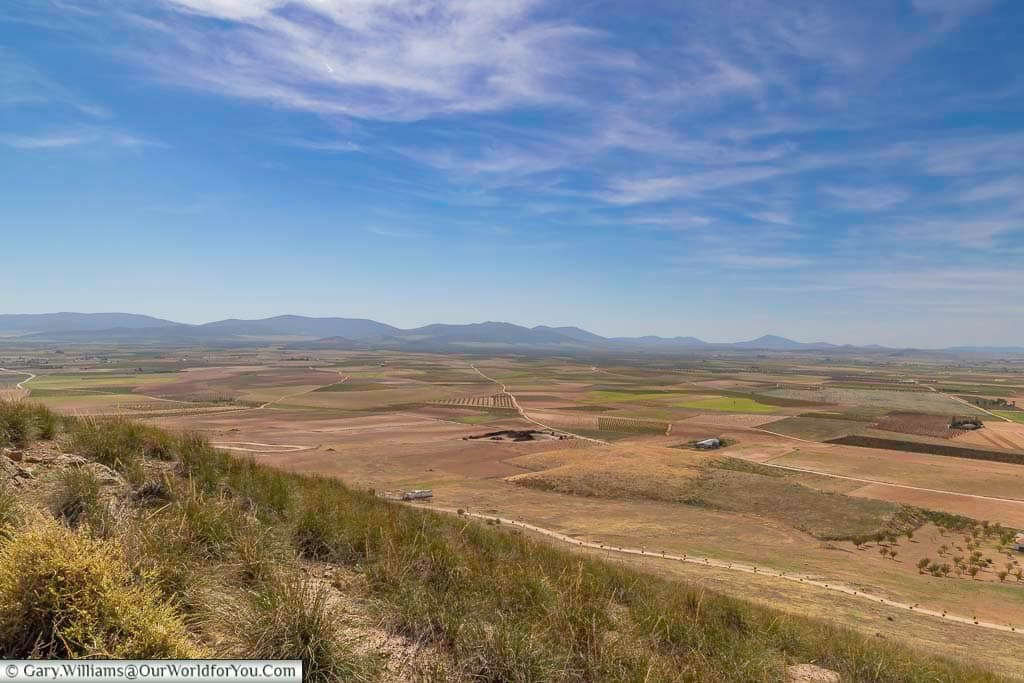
(738, 567)
(283, 447)
(522, 413)
(21, 385)
(240, 446)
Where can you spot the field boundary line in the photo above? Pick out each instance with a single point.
(297, 393)
(522, 413)
(887, 483)
(787, 436)
(968, 403)
(738, 567)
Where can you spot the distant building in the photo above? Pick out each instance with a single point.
(1018, 543)
(418, 494)
(709, 444)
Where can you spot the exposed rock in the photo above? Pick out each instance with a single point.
(12, 472)
(811, 673)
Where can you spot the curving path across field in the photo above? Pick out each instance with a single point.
(21, 385)
(263, 406)
(522, 413)
(262, 447)
(744, 568)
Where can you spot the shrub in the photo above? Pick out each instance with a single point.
(63, 594)
(10, 511)
(287, 617)
(24, 421)
(332, 526)
(78, 499)
(153, 491)
(121, 444)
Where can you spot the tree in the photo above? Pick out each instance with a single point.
(922, 564)
(973, 570)
(893, 553)
(1001, 575)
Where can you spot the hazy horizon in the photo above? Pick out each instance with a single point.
(838, 172)
(632, 333)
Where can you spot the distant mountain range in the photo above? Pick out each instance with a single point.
(300, 332)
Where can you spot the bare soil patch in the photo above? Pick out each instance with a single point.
(738, 420)
(919, 423)
(999, 434)
(518, 435)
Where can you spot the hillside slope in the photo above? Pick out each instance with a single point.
(159, 545)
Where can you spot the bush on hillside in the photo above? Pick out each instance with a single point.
(122, 444)
(77, 500)
(63, 594)
(24, 421)
(287, 617)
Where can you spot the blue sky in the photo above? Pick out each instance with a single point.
(838, 171)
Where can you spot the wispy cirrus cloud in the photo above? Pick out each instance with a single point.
(43, 141)
(868, 199)
(76, 136)
(376, 59)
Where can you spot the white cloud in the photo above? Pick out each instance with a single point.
(643, 190)
(1004, 188)
(960, 156)
(380, 59)
(867, 198)
(75, 136)
(42, 141)
(336, 146)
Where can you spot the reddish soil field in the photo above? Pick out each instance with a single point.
(918, 423)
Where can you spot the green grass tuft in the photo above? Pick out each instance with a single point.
(23, 421)
(287, 617)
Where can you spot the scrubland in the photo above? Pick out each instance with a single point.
(124, 540)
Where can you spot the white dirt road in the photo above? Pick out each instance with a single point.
(745, 568)
(21, 385)
(522, 413)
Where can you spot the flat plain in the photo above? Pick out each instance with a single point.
(625, 471)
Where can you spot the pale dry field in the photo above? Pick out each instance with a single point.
(1009, 435)
(978, 477)
(386, 431)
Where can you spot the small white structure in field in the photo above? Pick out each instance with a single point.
(418, 494)
(1018, 543)
(708, 444)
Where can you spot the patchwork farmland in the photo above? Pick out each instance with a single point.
(852, 476)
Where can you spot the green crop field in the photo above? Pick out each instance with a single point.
(610, 396)
(99, 380)
(1015, 415)
(732, 405)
